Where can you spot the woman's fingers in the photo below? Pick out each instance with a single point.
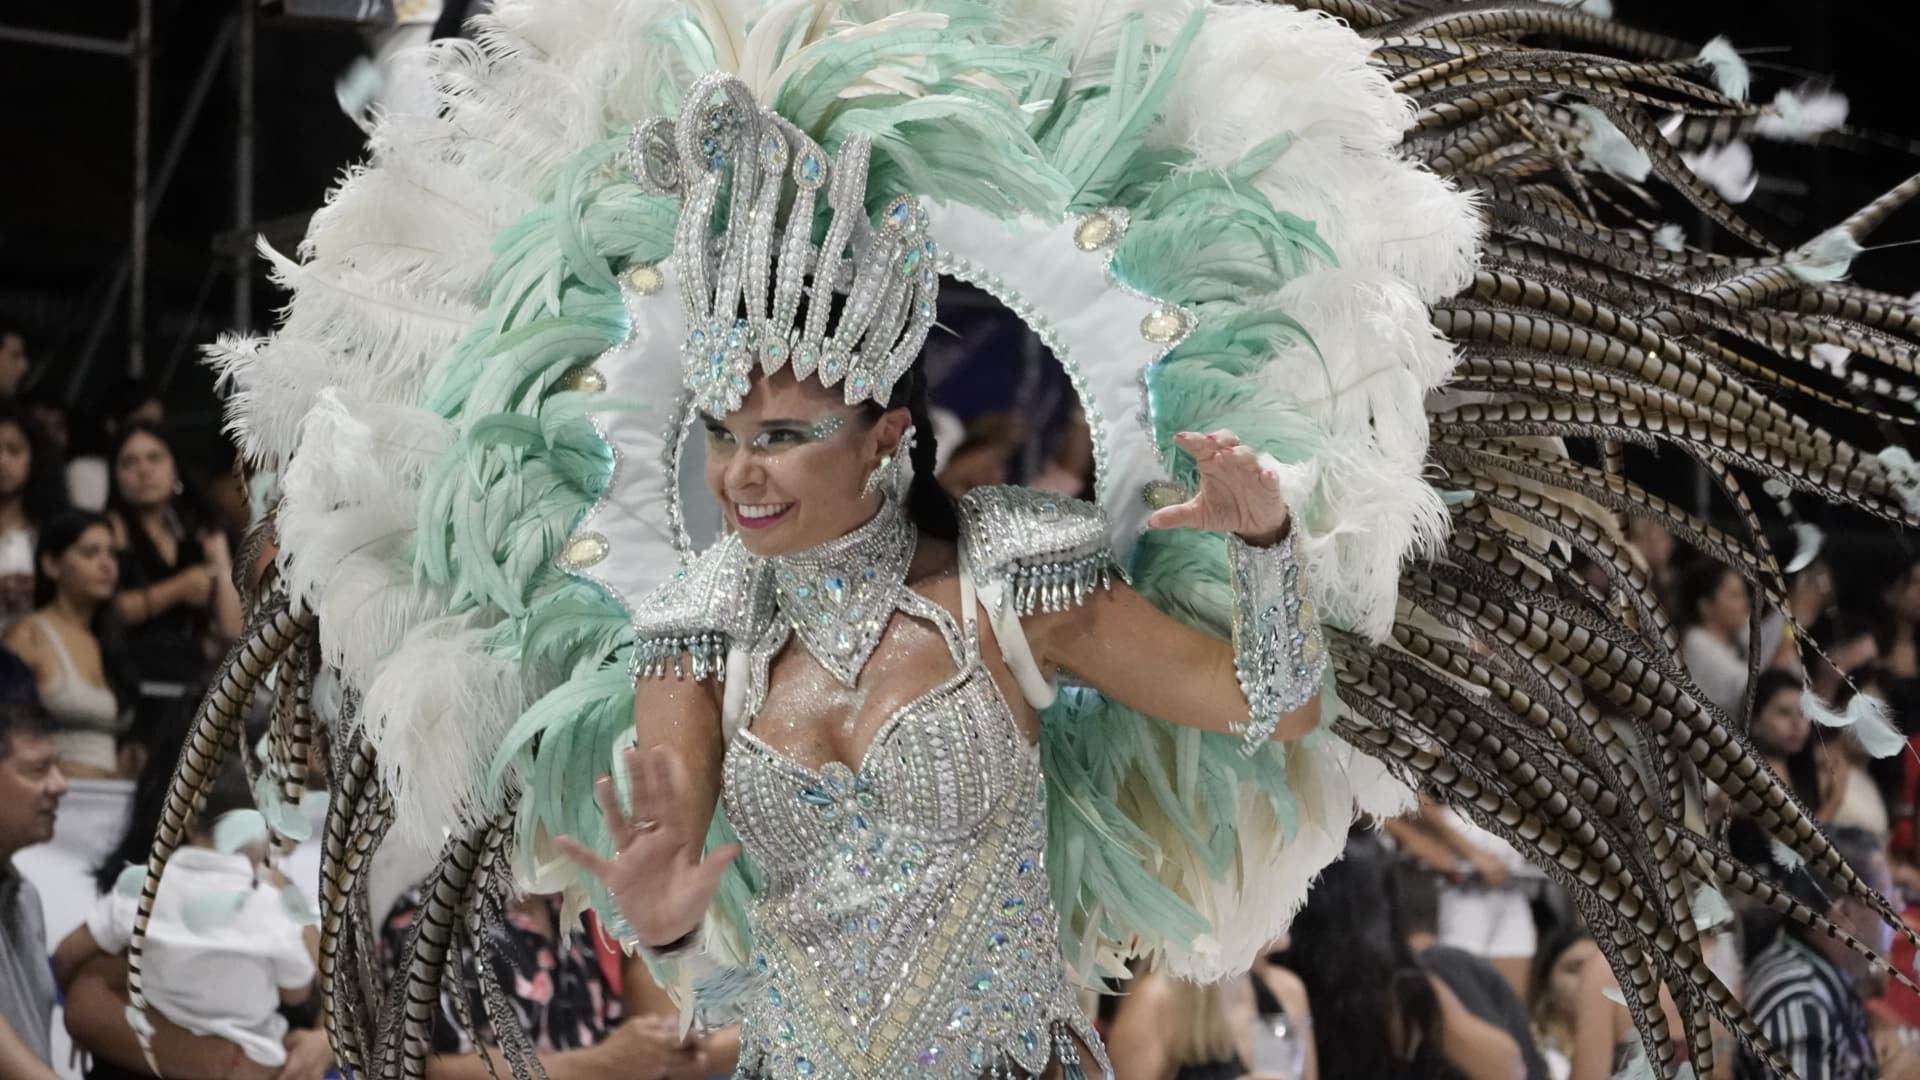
(645, 799)
(717, 861)
(589, 859)
(610, 812)
(1186, 515)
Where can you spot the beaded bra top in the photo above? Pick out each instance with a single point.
(907, 926)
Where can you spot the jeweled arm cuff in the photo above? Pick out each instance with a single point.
(1279, 653)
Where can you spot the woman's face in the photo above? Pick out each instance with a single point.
(788, 465)
(88, 569)
(1563, 980)
(16, 460)
(1726, 608)
(144, 471)
(1780, 727)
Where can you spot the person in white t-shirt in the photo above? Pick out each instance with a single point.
(1486, 908)
(224, 949)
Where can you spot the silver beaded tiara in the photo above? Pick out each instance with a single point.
(743, 285)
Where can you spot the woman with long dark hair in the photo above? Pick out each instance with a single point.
(1376, 1012)
(177, 594)
(30, 493)
(73, 643)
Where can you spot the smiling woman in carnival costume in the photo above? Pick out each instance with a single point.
(1403, 268)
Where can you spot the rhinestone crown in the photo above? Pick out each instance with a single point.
(744, 272)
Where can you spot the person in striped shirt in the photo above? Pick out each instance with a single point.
(1802, 988)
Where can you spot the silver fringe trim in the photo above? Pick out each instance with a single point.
(1057, 586)
(682, 656)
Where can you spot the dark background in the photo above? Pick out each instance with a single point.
(68, 116)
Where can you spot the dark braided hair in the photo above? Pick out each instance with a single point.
(928, 505)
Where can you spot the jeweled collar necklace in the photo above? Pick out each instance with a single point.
(838, 597)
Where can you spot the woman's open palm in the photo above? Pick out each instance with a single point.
(1239, 490)
(657, 874)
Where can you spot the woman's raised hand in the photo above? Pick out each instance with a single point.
(1239, 491)
(657, 874)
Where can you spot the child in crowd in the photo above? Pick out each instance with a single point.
(224, 949)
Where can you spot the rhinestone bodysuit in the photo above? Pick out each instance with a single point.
(907, 926)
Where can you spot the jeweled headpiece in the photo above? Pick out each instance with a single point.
(743, 274)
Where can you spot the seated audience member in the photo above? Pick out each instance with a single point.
(1376, 1011)
(1803, 989)
(95, 981)
(14, 362)
(1558, 967)
(31, 787)
(573, 1018)
(74, 646)
(1165, 1028)
(1715, 609)
(222, 952)
(1476, 982)
(30, 495)
(1485, 905)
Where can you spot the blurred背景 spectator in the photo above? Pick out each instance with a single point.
(1165, 1028)
(1376, 1011)
(1557, 968)
(1803, 989)
(559, 994)
(73, 643)
(223, 950)
(177, 596)
(1481, 987)
(96, 982)
(1650, 539)
(1780, 730)
(1716, 609)
(1486, 908)
(982, 457)
(30, 494)
(31, 786)
(89, 469)
(14, 362)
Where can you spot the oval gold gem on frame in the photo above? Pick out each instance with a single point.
(1101, 229)
(585, 379)
(1160, 494)
(584, 550)
(646, 279)
(1094, 233)
(1165, 325)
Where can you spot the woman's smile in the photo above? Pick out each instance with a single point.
(759, 516)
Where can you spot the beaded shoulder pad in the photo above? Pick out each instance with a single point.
(721, 598)
(1047, 551)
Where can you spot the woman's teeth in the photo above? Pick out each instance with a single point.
(760, 512)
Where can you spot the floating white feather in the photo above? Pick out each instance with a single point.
(1866, 716)
(1730, 72)
(1607, 149)
(1827, 257)
(1728, 169)
(1800, 115)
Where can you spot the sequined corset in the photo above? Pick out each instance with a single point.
(907, 927)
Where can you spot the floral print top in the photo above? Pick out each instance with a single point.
(559, 991)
